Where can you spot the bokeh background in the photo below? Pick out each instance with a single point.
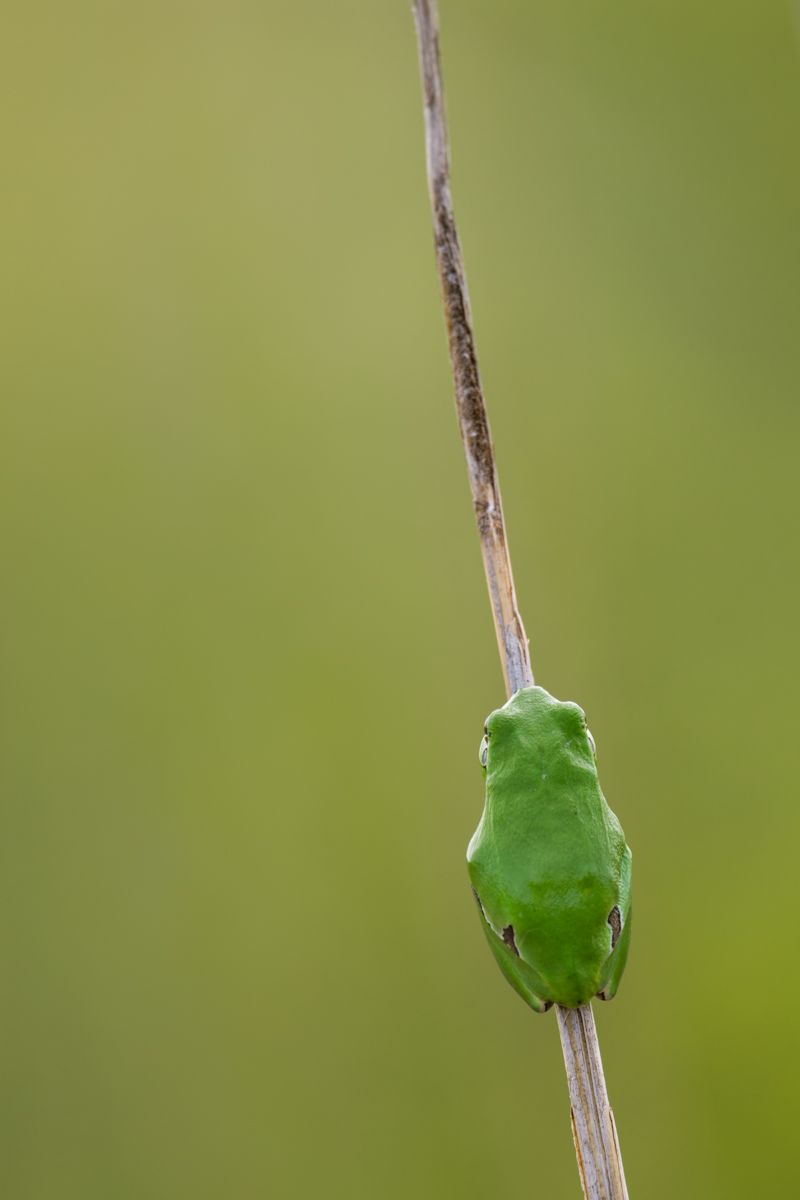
(246, 647)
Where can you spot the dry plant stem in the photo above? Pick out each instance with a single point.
(594, 1132)
(593, 1129)
(512, 642)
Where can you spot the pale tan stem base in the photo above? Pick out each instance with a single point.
(593, 1128)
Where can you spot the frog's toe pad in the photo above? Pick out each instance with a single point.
(604, 995)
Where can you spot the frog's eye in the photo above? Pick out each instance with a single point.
(483, 753)
(591, 742)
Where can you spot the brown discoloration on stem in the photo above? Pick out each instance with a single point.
(472, 419)
(594, 1132)
(577, 1144)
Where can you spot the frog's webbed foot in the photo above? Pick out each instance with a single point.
(537, 1004)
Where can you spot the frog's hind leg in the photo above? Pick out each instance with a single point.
(522, 977)
(615, 963)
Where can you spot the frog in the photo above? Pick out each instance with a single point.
(548, 862)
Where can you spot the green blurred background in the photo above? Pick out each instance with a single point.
(246, 647)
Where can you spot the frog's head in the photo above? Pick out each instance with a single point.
(533, 723)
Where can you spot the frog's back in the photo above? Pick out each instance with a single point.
(549, 854)
(543, 793)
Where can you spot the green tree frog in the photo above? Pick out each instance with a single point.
(548, 862)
